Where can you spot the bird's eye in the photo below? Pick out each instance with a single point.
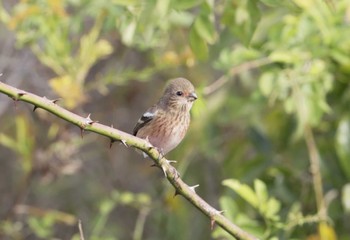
(179, 93)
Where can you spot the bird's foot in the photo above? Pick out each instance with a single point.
(173, 169)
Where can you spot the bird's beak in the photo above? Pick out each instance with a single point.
(192, 96)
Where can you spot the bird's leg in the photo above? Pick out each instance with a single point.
(174, 171)
(161, 153)
(150, 146)
(160, 157)
(160, 165)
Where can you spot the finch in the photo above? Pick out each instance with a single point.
(165, 124)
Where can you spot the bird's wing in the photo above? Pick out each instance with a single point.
(145, 118)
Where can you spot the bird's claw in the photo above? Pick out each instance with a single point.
(161, 153)
(174, 171)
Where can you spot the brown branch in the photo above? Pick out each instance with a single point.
(234, 71)
(87, 124)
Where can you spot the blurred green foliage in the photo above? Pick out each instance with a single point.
(266, 71)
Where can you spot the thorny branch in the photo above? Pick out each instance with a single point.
(87, 124)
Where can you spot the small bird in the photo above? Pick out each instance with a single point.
(165, 124)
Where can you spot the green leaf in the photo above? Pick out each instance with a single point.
(273, 206)
(261, 191)
(42, 227)
(125, 2)
(162, 8)
(243, 190)
(282, 56)
(346, 197)
(290, 56)
(185, 4)
(129, 32)
(107, 206)
(205, 28)
(183, 19)
(198, 45)
(271, 3)
(230, 207)
(127, 198)
(279, 3)
(242, 18)
(342, 145)
(266, 83)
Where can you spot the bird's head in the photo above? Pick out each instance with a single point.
(179, 94)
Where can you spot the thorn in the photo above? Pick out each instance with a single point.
(221, 212)
(21, 93)
(35, 107)
(81, 132)
(171, 161)
(193, 188)
(111, 142)
(212, 223)
(88, 120)
(124, 143)
(163, 169)
(54, 101)
(176, 193)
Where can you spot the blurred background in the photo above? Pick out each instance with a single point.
(269, 141)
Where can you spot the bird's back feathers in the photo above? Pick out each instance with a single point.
(145, 118)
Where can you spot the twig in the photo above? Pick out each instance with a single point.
(315, 172)
(234, 71)
(140, 223)
(89, 125)
(312, 150)
(81, 233)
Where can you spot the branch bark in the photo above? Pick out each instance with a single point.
(87, 124)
